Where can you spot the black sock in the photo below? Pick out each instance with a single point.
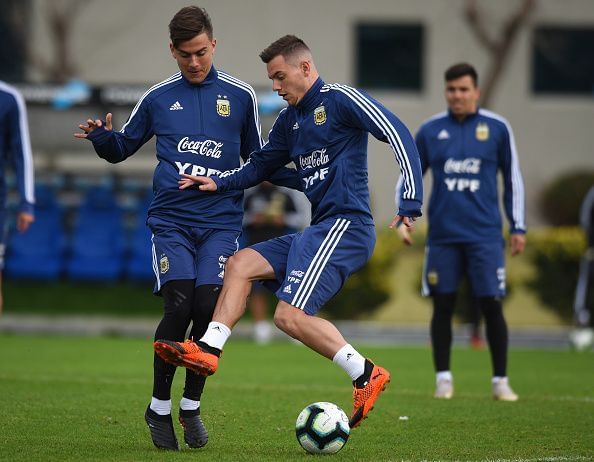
(441, 330)
(177, 304)
(205, 299)
(364, 378)
(497, 336)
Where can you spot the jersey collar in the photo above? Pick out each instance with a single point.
(310, 99)
(470, 116)
(210, 78)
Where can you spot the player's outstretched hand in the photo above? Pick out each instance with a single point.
(92, 125)
(203, 183)
(406, 230)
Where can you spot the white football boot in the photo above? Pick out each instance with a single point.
(444, 389)
(502, 391)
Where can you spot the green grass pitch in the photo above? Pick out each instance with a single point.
(83, 399)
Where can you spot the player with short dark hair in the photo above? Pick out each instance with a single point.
(465, 148)
(205, 120)
(324, 132)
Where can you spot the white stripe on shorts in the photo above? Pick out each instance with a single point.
(155, 264)
(316, 267)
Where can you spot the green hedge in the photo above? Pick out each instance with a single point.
(555, 254)
(560, 201)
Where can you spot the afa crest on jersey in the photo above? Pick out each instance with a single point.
(164, 264)
(223, 107)
(320, 115)
(482, 131)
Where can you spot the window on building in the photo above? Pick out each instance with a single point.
(389, 56)
(13, 37)
(563, 60)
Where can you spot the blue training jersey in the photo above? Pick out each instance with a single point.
(15, 146)
(464, 158)
(201, 129)
(325, 135)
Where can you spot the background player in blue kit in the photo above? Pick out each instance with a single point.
(324, 132)
(465, 148)
(15, 148)
(204, 121)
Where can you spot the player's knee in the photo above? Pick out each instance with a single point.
(285, 319)
(236, 266)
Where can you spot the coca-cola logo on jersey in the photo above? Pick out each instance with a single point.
(470, 165)
(208, 148)
(313, 160)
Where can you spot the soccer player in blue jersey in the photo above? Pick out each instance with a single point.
(15, 149)
(205, 120)
(324, 132)
(465, 148)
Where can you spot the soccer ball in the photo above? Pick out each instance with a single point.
(322, 428)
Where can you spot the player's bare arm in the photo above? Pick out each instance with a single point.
(92, 125)
(203, 183)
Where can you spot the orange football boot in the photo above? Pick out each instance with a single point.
(365, 398)
(187, 354)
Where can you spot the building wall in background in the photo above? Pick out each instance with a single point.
(127, 42)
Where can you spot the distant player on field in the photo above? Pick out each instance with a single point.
(324, 132)
(584, 291)
(15, 149)
(204, 121)
(465, 148)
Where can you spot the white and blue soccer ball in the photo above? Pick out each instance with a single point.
(322, 428)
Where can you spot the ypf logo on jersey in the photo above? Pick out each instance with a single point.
(223, 106)
(482, 132)
(164, 264)
(320, 115)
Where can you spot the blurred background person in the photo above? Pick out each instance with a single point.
(15, 149)
(465, 148)
(270, 211)
(583, 336)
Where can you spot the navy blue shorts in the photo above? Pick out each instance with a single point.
(185, 252)
(311, 266)
(483, 263)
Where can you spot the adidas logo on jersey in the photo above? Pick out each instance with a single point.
(296, 126)
(287, 289)
(443, 135)
(176, 106)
